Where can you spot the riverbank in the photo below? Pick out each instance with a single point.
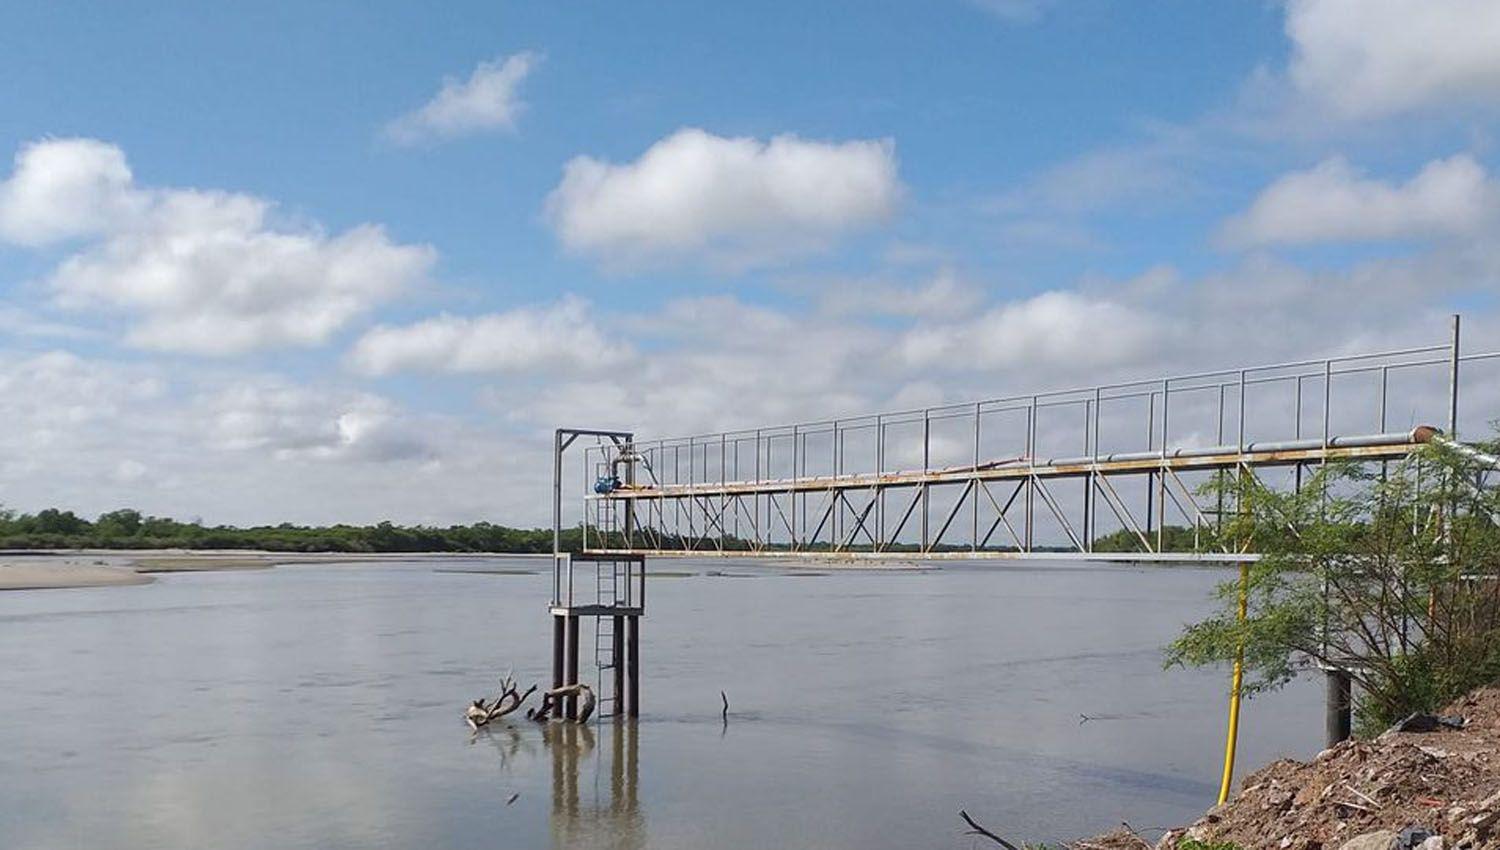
(1428, 781)
(58, 573)
(31, 570)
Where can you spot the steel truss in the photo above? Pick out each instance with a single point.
(801, 490)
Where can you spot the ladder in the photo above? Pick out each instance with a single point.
(611, 588)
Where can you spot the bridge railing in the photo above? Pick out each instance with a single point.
(1358, 396)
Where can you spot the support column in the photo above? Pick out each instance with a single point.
(1339, 711)
(633, 666)
(559, 642)
(570, 668)
(617, 656)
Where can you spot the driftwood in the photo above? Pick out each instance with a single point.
(481, 713)
(552, 703)
(976, 829)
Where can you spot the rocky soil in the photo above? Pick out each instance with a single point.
(1434, 790)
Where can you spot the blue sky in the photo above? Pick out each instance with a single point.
(967, 198)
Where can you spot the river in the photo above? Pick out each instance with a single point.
(320, 706)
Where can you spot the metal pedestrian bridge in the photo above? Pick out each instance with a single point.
(1047, 474)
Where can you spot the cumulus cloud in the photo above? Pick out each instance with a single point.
(197, 271)
(65, 188)
(488, 100)
(1369, 60)
(98, 434)
(729, 202)
(1334, 202)
(559, 336)
(1058, 328)
(289, 421)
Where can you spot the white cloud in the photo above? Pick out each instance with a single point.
(97, 434)
(730, 202)
(1054, 329)
(488, 100)
(562, 336)
(198, 271)
(1370, 59)
(1333, 202)
(289, 422)
(63, 189)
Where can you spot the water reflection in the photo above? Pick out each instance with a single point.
(612, 821)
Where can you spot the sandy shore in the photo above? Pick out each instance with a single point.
(106, 568)
(51, 573)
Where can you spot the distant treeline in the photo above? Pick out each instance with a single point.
(130, 529)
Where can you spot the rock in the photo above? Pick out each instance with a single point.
(1412, 837)
(1429, 723)
(1379, 840)
(1433, 843)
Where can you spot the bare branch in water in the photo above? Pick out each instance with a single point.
(976, 829)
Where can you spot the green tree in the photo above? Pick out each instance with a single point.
(122, 523)
(1389, 573)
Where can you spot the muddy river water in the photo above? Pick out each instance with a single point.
(319, 706)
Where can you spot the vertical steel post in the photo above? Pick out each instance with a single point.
(1031, 477)
(559, 645)
(1327, 403)
(557, 450)
(630, 479)
(692, 507)
(1385, 381)
(1453, 383)
(723, 496)
(1161, 478)
(791, 492)
(1088, 482)
(617, 659)
(1339, 715)
(1297, 433)
(755, 498)
(633, 665)
(1150, 476)
(878, 495)
(570, 667)
(926, 466)
(974, 490)
(1240, 439)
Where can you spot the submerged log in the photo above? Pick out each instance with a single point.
(586, 701)
(480, 713)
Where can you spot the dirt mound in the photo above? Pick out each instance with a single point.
(1445, 781)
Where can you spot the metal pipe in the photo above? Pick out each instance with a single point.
(1232, 736)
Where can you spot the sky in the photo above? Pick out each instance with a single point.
(323, 262)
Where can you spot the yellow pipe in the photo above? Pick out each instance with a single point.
(1233, 737)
